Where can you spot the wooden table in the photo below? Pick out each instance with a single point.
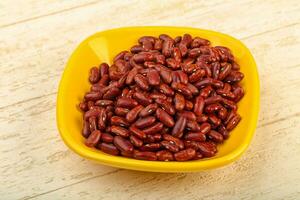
(36, 39)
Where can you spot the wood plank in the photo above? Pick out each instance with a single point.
(36, 61)
(18, 11)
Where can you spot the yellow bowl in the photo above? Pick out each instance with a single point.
(102, 47)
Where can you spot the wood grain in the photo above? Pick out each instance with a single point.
(34, 47)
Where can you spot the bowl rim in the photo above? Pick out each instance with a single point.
(159, 166)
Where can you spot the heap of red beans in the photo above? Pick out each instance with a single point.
(166, 99)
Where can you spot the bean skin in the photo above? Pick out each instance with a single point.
(164, 155)
(164, 117)
(145, 122)
(155, 128)
(184, 155)
(109, 148)
(148, 110)
(123, 144)
(179, 127)
(93, 138)
(132, 114)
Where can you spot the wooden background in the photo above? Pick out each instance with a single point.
(36, 39)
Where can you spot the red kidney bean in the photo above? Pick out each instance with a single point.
(226, 94)
(197, 42)
(183, 77)
(92, 96)
(142, 99)
(136, 141)
(122, 112)
(93, 112)
(104, 103)
(145, 122)
(177, 39)
(148, 110)
(205, 128)
(142, 82)
(157, 95)
(222, 129)
(137, 132)
(157, 137)
(149, 139)
(233, 122)
(193, 89)
(177, 54)
(126, 102)
(83, 106)
(167, 45)
(213, 119)
(164, 117)
(184, 43)
(222, 114)
(179, 127)
(136, 49)
(165, 89)
(166, 76)
(206, 91)
(215, 136)
(145, 155)
(238, 93)
(174, 140)
(192, 126)
(91, 105)
(183, 89)
(133, 114)
(102, 119)
(199, 105)
(94, 75)
(196, 76)
(189, 105)
(184, 155)
(169, 146)
(106, 137)
(202, 118)
(112, 93)
(207, 149)
(104, 80)
(103, 69)
(150, 147)
(229, 104)
(109, 148)
(175, 77)
(211, 108)
(164, 155)
(195, 136)
(198, 156)
(119, 121)
(132, 73)
(234, 76)
(188, 115)
(153, 77)
(165, 105)
(179, 102)
(127, 154)
(93, 138)
(158, 44)
(154, 128)
(215, 69)
(122, 144)
(213, 99)
(86, 129)
(225, 71)
(118, 130)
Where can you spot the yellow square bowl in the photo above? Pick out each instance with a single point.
(102, 47)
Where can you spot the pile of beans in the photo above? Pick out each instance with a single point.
(166, 99)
